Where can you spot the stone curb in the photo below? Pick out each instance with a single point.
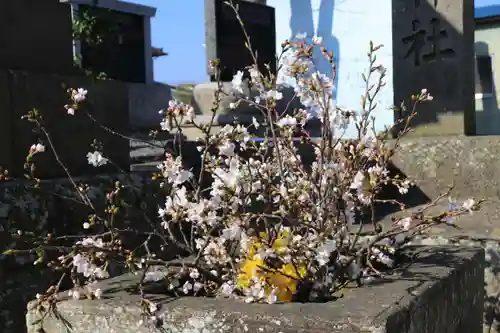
(441, 291)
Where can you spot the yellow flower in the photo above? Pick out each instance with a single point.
(249, 269)
(284, 279)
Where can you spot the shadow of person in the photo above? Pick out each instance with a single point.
(301, 21)
(330, 42)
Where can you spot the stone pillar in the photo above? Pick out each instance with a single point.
(225, 41)
(148, 51)
(433, 48)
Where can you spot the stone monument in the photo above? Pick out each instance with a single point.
(37, 66)
(225, 41)
(125, 52)
(433, 48)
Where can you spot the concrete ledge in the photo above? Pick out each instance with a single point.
(441, 291)
(437, 162)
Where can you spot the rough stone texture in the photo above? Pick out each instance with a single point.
(29, 42)
(203, 100)
(225, 39)
(434, 48)
(429, 160)
(491, 323)
(145, 101)
(471, 163)
(40, 211)
(442, 291)
(436, 163)
(71, 135)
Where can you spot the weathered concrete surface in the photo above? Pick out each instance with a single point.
(41, 212)
(482, 228)
(491, 320)
(203, 100)
(441, 291)
(145, 101)
(435, 163)
(427, 159)
(471, 163)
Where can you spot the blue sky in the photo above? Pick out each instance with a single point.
(178, 27)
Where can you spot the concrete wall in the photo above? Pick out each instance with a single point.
(72, 136)
(487, 110)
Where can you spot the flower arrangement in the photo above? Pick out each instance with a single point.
(257, 222)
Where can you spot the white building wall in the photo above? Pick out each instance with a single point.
(346, 26)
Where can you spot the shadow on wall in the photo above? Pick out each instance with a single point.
(429, 52)
(301, 21)
(487, 111)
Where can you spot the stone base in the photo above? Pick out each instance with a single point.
(145, 102)
(442, 291)
(446, 124)
(204, 98)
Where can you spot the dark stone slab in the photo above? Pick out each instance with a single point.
(6, 121)
(121, 54)
(442, 291)
(36, 35)
(433, 48)
(225, 39)
(71, 135)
